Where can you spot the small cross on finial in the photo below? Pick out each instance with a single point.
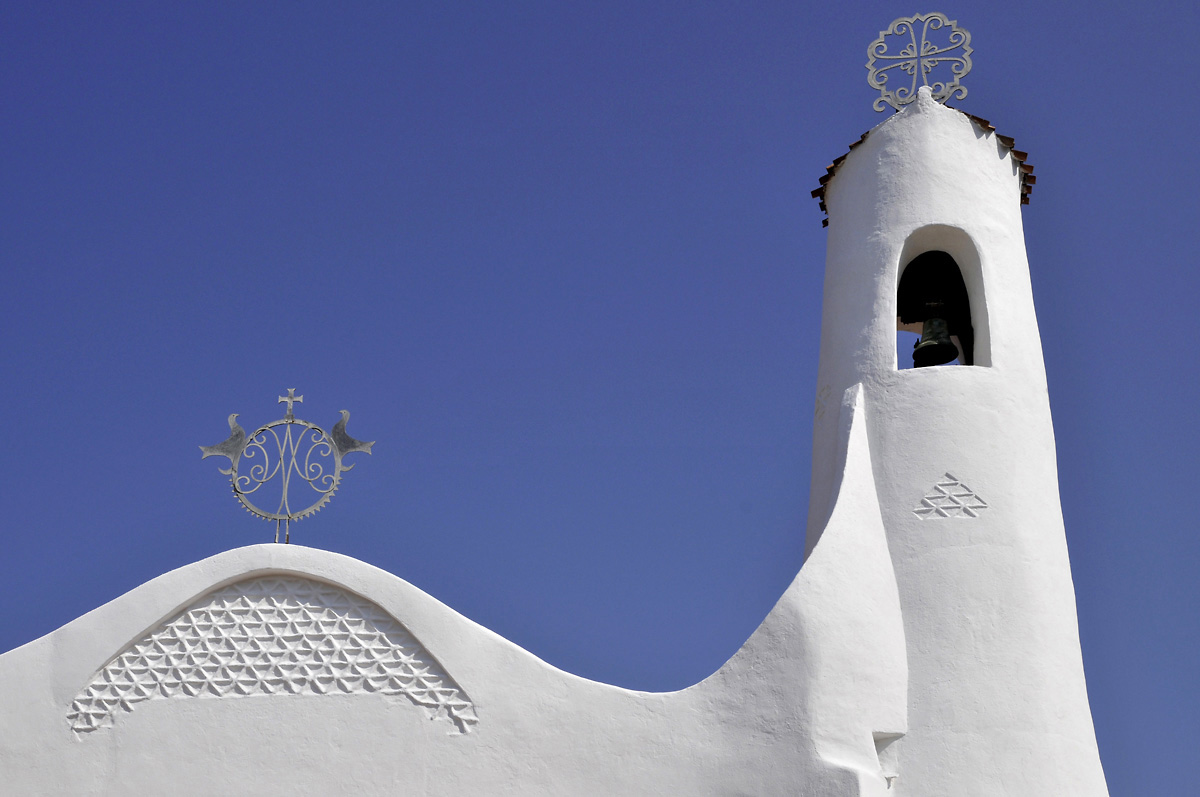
(290, 398)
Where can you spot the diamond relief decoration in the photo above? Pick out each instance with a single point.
(273, 635)
(950, 498)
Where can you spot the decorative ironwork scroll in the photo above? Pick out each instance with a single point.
(291, 452)
(927, 42)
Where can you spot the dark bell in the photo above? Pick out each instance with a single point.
(935, 346)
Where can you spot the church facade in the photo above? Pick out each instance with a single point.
(928, 646)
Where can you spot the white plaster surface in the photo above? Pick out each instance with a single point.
(158, 690)
(927, 648)
(997, 699)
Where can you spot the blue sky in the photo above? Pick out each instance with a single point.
(561, 262)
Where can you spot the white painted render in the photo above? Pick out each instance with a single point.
(914, 654)
(776, 719)
(997, 700)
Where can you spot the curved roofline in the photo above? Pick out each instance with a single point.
(1027, 177)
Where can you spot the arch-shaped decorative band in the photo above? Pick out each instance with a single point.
(273, 635)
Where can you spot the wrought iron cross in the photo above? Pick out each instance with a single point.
(290, 398)
(926, 42)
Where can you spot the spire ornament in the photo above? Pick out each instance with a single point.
(926, 42)
(282, 450)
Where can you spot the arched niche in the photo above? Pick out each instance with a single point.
(942, 263)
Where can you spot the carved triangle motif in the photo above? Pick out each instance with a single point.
(950, 498)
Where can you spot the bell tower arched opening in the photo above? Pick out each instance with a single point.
(940, 264)
(932, 300)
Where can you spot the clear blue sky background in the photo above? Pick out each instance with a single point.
(561, 262)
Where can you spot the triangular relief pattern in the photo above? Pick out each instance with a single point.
(950, 498)
(273, 635)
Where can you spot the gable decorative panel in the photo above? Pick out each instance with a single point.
(273, 635)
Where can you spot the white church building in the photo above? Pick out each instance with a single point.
(928, 647)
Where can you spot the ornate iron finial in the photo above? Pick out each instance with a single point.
(274, 451)
(918, 57)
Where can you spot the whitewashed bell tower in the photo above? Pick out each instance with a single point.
(927, 648)
(924, 219)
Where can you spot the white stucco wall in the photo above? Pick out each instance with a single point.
(294, 670)
(997, 699)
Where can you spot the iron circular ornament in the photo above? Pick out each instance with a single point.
(929, 45)
(254, 469)
(292, 452)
